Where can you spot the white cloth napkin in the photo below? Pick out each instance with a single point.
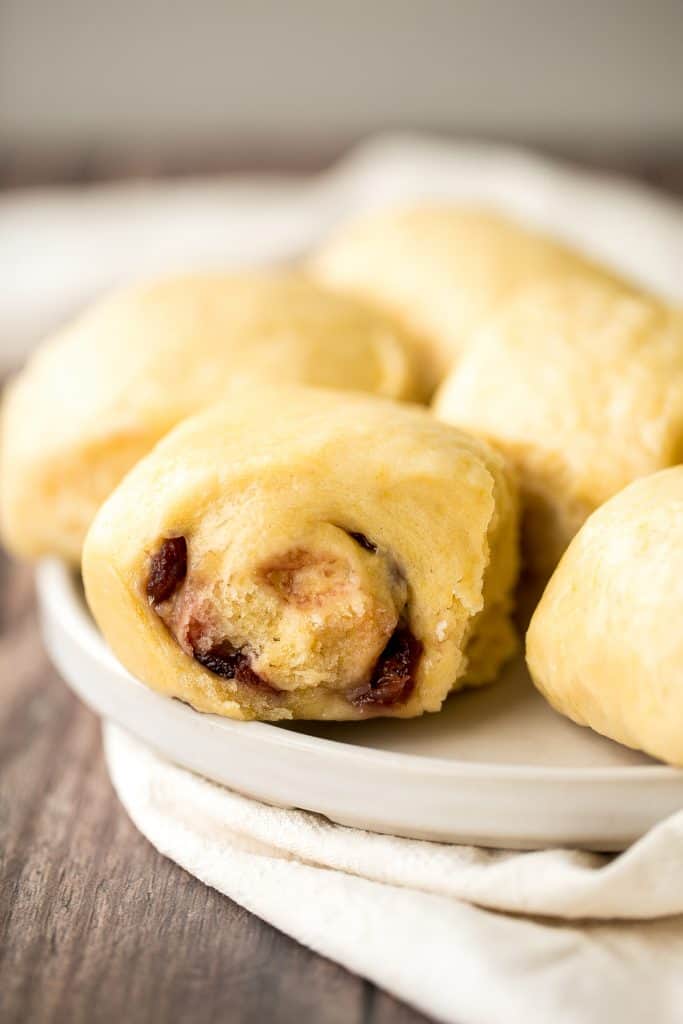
(410, 915)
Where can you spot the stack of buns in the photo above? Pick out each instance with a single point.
(309, 493)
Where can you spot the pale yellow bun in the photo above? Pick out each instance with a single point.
(580, 384)
(96, 397)
(443, 269)
(605, 645)
(308, 554)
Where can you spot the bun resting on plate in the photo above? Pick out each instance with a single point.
(303, 554)
(98, 396)
(605, 645)
(442, 268)
(580, 384)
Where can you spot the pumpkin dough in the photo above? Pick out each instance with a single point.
(605, 645)
(442, 269)
(580, 384)
(98, 396)
(296, 553)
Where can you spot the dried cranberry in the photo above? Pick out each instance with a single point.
(230, 663)
(167, 569)
(394, 676)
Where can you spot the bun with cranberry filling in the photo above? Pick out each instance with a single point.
(296, 553)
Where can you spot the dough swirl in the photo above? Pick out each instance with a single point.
(295, 553)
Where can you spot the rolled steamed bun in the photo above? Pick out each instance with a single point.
(98, 396)
(605, 645)
(580, 384)
(443, 269)
(302, 554)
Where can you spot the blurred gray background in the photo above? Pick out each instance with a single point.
(192, 86)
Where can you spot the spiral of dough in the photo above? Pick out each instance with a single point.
(295, 553)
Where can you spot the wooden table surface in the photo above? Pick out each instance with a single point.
(95, 925)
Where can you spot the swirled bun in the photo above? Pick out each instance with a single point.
(580, 384)
(442, 269)
(605, 645)
(98, 396)
(308, 554)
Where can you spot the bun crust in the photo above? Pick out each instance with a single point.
(308, 554)
(580, 384)
(99, 395)
(604, 645)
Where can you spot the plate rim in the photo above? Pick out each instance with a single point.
(58, 596)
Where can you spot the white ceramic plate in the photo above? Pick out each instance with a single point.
(497, 767)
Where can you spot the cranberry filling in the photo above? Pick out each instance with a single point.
(167, 570)
(394, 676)
(392, 680)
(230, 663)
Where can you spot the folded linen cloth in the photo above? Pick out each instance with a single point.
(446, 928)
